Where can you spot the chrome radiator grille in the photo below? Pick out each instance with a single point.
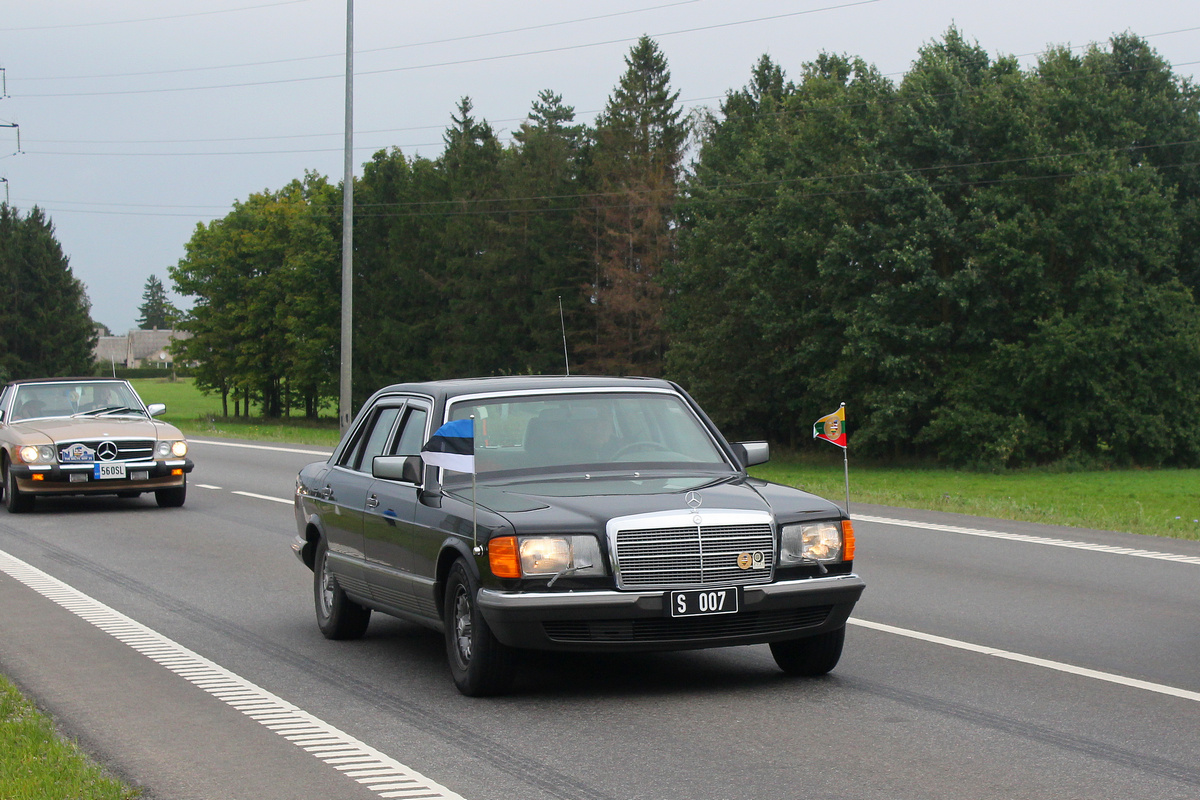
(714, 552)
(118, 450)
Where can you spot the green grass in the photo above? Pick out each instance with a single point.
(1161, 502)
(37, 764)
(199, 415)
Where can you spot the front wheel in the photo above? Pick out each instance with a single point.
(338, 616)
(14, 500)
(815, 655)
(170, 498)
(479, 663)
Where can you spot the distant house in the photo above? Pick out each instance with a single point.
(139, 348)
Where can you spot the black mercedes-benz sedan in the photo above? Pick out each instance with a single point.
(568, 513)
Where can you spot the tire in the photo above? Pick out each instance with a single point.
(14, 500)
(810, 657)
(338, 616)
(480, 665)
(171, 498)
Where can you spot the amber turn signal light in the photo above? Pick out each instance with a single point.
(847, 540)
(502, 557)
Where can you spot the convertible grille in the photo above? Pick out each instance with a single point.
(120, 449)
(667, 629)
(694, 555)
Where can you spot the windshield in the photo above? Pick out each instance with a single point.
(82, 398)
(594, 431)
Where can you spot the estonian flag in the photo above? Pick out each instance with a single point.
(452, 446)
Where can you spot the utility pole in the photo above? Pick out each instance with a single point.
(344, 397)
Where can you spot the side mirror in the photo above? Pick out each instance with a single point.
(397, 468)
(752, 453)
(155, 409)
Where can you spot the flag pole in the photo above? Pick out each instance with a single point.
(475, 548)
(846, 466)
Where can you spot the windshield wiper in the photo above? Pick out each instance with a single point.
(117, 410)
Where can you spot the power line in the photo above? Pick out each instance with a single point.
(452, 40)
(148, 19)
(459, 62)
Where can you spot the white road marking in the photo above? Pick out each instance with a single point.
(1044, 540)
(265, 497)
(380, 773)
(1058, 666)
(205, 486)
(262, 447)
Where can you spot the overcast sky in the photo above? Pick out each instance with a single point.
(140, 118)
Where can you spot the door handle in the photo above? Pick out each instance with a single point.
(326, 493)
(372, 502)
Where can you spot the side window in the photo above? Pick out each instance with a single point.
(412, 433)
(376, 438)
(4, 401)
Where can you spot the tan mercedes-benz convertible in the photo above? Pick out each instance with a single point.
(63, 436)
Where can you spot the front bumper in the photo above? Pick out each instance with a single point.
(612, 621)
(144, 476)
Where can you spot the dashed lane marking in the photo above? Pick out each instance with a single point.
(359, 762)
(265, 497)
(1042, 540)
(1057, 666)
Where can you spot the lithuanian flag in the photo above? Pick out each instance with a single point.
(832, 428)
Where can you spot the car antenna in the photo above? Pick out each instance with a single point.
(563, 323)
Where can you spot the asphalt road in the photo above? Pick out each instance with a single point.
(986, 660)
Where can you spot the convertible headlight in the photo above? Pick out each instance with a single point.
(545, 556)
(819, 541)
(36, 454)
(167, 449)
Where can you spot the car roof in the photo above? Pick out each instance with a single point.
(89, 379)
(455, 387)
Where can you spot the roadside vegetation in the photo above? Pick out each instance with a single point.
(1159, 502)
(37, 764)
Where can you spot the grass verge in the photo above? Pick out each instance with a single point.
(37, 764)
(1161, 502)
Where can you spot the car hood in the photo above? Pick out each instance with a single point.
(574, 505)
(60, 429)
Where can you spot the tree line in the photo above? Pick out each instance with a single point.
(990, 265)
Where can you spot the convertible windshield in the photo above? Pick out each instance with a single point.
(68, 399)
(572, 431)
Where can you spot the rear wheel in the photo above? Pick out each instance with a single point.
(815, 655)
(14, 500)
(479, 663)
(338, 616)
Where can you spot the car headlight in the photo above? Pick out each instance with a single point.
(167, 449)
(36, 454)
(545, 556)
(820, 541)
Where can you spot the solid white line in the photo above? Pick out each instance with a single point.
(261, 447)
(205, 486)
(264, 497)
(1058, 666)
(1027, 539)
(199, 671)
